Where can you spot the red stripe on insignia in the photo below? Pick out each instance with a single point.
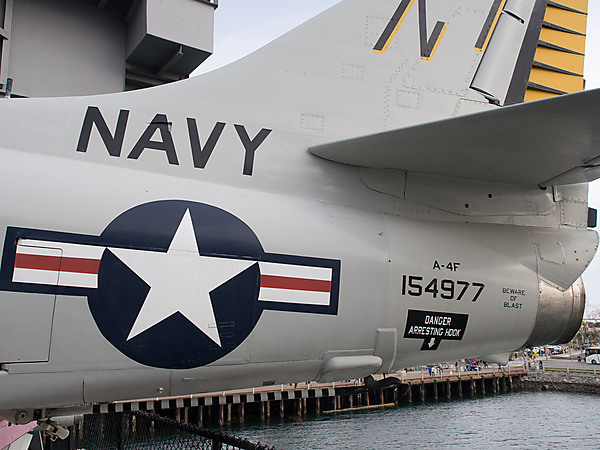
(80, 265)
(37, 262)
(56, 263)
(295, 284)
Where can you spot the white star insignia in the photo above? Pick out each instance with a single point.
(180, 280)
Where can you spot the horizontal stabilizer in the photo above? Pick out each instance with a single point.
(548, 142)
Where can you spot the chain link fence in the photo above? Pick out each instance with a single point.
(144, 430)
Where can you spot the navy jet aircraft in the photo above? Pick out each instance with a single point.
(393, 183)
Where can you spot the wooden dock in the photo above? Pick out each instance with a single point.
(296, 401)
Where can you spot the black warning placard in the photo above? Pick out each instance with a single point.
(433, 327)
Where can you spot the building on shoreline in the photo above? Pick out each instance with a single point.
(82, 47)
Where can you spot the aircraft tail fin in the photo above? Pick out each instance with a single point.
(406, 62)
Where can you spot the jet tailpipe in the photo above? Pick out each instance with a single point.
(559, 314)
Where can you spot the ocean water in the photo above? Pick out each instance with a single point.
(527, 420)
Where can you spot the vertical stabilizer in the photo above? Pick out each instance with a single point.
(384, 64)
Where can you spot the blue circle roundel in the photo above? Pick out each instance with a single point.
(179, 284)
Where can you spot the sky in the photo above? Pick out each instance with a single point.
(242, 26)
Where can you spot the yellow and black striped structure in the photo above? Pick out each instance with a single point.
(552, 57)
(559, 57)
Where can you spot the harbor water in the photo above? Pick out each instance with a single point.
(549, 420)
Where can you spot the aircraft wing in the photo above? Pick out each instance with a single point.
(548, 142)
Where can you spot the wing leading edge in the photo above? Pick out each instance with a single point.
(548, 142)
